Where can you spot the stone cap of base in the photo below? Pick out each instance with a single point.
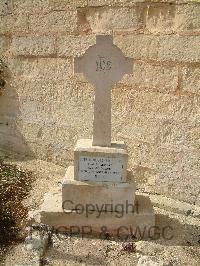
(52, 203)
(86, 145)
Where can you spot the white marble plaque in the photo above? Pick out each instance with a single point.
(100, 168)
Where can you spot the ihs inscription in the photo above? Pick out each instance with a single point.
(103, 64)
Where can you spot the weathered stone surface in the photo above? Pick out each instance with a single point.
(156, 164)
(163, 131)
(29, 90)
(170, 49)
(131, 102)
(30, 6)
(66, 4)
(180, 166)
(104, 20)
(191, 79)
(172, 18)
(160, 18)
(62, 21)
(49, 102)
(13, 24)
(5, 7)
(133, 2)
(53, 152)
(165, 48)
(74, 45)
(4, 44)
(43, 69)
(33, 46)
(113, 2)
(49, 114)
(30, 131)
(138, 46)
(141, 221)
(8, 124)
(187, 18)
(161, 139)
(102, 195)
(149, 76)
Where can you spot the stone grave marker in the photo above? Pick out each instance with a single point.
(99, 177)
(103, 65)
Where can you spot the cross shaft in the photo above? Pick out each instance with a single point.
(103, 64)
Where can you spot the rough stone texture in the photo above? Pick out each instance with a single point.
(161, 18)
(66, 4)
(74, 45)
(4, 44)
(63, 21)
(13, 24)
(172, 18)
(161, 134)
(105, 20)
(33, 46)
(160, 48)
(151, 76)
(153, 106)
(187, 18)
(113, 3)
(5, 7)
(44, 108)
(191, 79)
(133, 2)
(42, 69)
(31, 7)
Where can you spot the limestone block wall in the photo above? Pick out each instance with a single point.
(44, 108)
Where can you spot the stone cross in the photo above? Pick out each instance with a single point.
(103, 64)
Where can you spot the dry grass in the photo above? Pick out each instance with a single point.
(14, 187)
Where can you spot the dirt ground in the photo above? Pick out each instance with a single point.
(183, 247)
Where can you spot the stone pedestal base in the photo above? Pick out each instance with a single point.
(139, 223)
(110, 196)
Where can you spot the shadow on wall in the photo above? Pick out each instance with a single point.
(11, 139)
